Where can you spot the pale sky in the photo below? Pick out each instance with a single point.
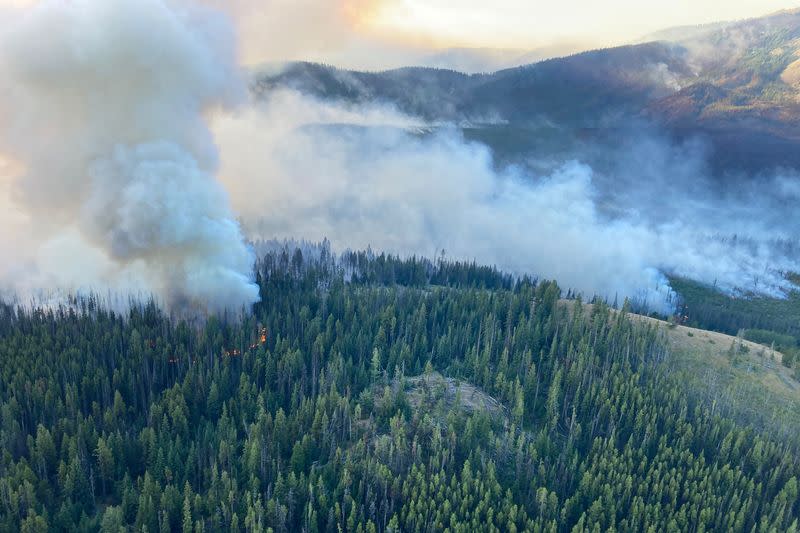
(531, 23)
(370, 33)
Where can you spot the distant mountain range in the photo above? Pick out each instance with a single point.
(482, 60)
(735, 84)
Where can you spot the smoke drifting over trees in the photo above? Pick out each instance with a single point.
(370, 176)
(111, 177)
(103, 106)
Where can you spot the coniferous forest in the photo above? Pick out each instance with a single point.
(367, 394)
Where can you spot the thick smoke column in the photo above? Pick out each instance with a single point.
(103, 104)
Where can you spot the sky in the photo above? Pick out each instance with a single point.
(368, 33)
(374, 34)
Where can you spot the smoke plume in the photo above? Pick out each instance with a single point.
(613, 223)
(108, 164)
(111, 164)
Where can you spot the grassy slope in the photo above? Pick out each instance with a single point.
(742, 377)
(749, 384)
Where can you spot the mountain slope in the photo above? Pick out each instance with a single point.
(740, 378)
(735, 84)
(595, 82)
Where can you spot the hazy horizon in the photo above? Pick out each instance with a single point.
(469, 36)
(381, 34)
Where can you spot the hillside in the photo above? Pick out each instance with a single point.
(739, 377)
(385, 395)
(735, 84)
(600, 82)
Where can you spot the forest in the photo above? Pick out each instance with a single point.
(370, 393)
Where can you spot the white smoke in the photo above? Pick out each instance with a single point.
(408, 193)
(103, 107)
(368, 176)
(107, 178)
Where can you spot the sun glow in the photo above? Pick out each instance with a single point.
(362, 14)
(374, 33)
(533, 23)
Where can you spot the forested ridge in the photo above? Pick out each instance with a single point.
(298, 416)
